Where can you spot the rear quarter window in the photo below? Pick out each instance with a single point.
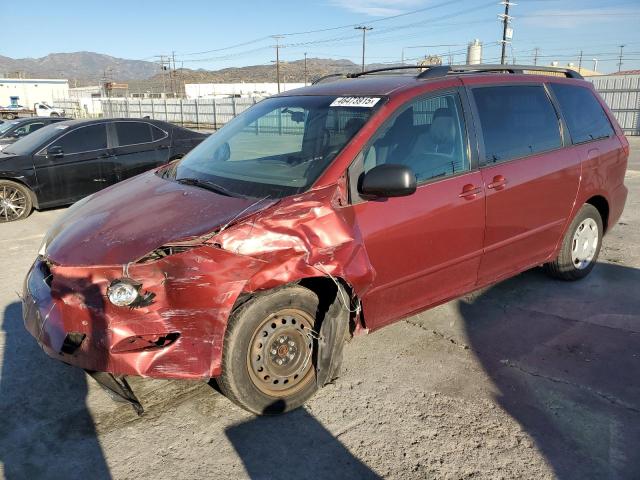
(516, 121)
(133, 133)
(585, 117)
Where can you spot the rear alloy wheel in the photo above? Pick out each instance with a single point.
(580, 246)
(15, 201)
(268, 356)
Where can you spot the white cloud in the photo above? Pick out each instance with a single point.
(378, 8)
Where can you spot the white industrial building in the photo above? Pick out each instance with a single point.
(27, 91)
(220, 90)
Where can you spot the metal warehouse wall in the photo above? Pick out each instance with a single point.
(622, 94)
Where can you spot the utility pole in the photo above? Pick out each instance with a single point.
(277, 46)
(595, 64)
(620, 58)
(507, 32)
(163, 68)
(364, 36)
(305, 69)
(535, 55)
(173, 74)
(580, 62)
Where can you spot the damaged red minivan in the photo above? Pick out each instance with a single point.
(323, 212)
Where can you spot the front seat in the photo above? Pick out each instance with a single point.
(442, 132)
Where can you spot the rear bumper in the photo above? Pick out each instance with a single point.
(179, 336)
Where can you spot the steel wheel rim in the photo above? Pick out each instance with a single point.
(288, 333)
(584, 244)
(13, 203)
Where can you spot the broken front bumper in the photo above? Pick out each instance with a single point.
(179, 335)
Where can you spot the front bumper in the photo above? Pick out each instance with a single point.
(180, 335)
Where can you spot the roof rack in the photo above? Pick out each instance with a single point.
(435, 71)
(516, 69)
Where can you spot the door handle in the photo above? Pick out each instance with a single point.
(99, 179)
(469, 191)
(498, 182)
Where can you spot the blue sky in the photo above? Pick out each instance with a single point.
(140, 29)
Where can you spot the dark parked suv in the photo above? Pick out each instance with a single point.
(323, 212)
(64, 162)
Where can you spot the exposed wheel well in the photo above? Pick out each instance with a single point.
(602, 205)
(327, 290)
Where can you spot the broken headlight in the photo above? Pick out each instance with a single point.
(123, 293)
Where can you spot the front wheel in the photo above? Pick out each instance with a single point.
(15, 201)
(268, 356)
(580, 246)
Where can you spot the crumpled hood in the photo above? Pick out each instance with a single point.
(127, 221)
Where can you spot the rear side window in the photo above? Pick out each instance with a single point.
(133, 133)
(585, 117)
(84, 139)
(516, 121)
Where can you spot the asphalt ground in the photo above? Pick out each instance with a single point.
(530, 378)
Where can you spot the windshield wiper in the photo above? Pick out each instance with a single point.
(214, 187)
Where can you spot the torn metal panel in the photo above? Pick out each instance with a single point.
(179, 335)
(306, 236)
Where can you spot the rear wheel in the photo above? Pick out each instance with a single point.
(15, 201)
(580, 246)
(267, 363)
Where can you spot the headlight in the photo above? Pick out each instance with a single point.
(122, 293)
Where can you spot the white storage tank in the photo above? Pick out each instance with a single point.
(474, 52)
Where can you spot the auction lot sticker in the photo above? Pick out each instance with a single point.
(366, 102)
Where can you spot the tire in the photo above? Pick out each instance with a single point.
(54, 114)
(281, 321)
(15, 201)
(580, 246)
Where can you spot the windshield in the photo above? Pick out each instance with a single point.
(279, 147)
(30, 143)
(4, 127)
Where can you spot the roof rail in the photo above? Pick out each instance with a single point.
(385, 69)
(326, 78)
(435, 71)
(516, 69)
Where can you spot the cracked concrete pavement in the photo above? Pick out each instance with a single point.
(530, 378)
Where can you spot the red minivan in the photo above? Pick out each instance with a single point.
(323, 212)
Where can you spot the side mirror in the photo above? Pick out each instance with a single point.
(55, 152)
(388, 180)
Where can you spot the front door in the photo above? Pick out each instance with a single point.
(76, 172)
(425, 247)
(530, 180)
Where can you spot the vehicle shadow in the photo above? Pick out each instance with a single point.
(46, 430)
(565, 357)
(294, 445)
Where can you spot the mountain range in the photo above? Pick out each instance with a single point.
(89, 68)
